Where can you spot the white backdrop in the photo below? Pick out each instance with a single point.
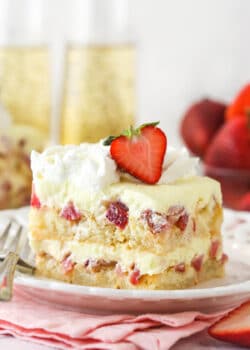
(187, 50)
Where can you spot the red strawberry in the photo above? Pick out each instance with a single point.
(34, 200)
(234, 327)
(240, 105)
(135, 276)
(230, 147)
(140, 152)
(200, 123)
(69, 212)
(245, 202)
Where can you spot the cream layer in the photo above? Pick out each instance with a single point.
(146, 262)
(190, 193)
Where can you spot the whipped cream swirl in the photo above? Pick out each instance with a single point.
(90, 166)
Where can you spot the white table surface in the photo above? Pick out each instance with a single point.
(199, 341)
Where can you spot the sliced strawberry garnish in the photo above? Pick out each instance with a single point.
(234, 327)
(140, 152)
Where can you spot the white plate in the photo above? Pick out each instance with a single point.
(211, 296)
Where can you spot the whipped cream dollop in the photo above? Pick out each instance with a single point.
(86, 165)
(90, 166)
(177, 164)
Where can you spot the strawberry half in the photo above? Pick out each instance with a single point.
(140, 152)
(234, 327)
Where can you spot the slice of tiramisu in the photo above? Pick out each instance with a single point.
(126, 215)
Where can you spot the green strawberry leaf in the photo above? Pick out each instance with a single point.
(108, 140)
(130, 132)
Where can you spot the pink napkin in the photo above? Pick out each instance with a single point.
(45, 324)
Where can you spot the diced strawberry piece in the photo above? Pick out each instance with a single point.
(118, 270)
(95, 265)
(214, 248)
(135, 276)
(67, 265)
(234, 327)
(69, 212)
(34, 201)
(182, 222)
(178, 216)
(174, 212)
(117, 213)
(157, 222)
(197, 262)
(181, 267)
(194, 225)
(224, 258)
(140, 152)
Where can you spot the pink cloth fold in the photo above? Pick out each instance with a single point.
(45, 324)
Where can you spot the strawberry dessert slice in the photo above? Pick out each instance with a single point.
(140, 152)
(107, 221)
(235, 327)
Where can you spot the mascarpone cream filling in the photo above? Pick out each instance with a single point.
(146, 262)
(85, 172)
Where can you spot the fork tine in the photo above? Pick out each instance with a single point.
(4, 235)
(14, 243)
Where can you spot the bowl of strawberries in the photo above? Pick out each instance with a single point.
(220, 135)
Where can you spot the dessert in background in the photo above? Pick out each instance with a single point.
(16, 143)
(223, 145)
(129, 212)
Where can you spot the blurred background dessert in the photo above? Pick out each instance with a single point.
(16, 143)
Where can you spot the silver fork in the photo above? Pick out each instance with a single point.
(13, 243)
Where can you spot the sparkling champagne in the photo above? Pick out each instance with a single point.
(98, 92)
